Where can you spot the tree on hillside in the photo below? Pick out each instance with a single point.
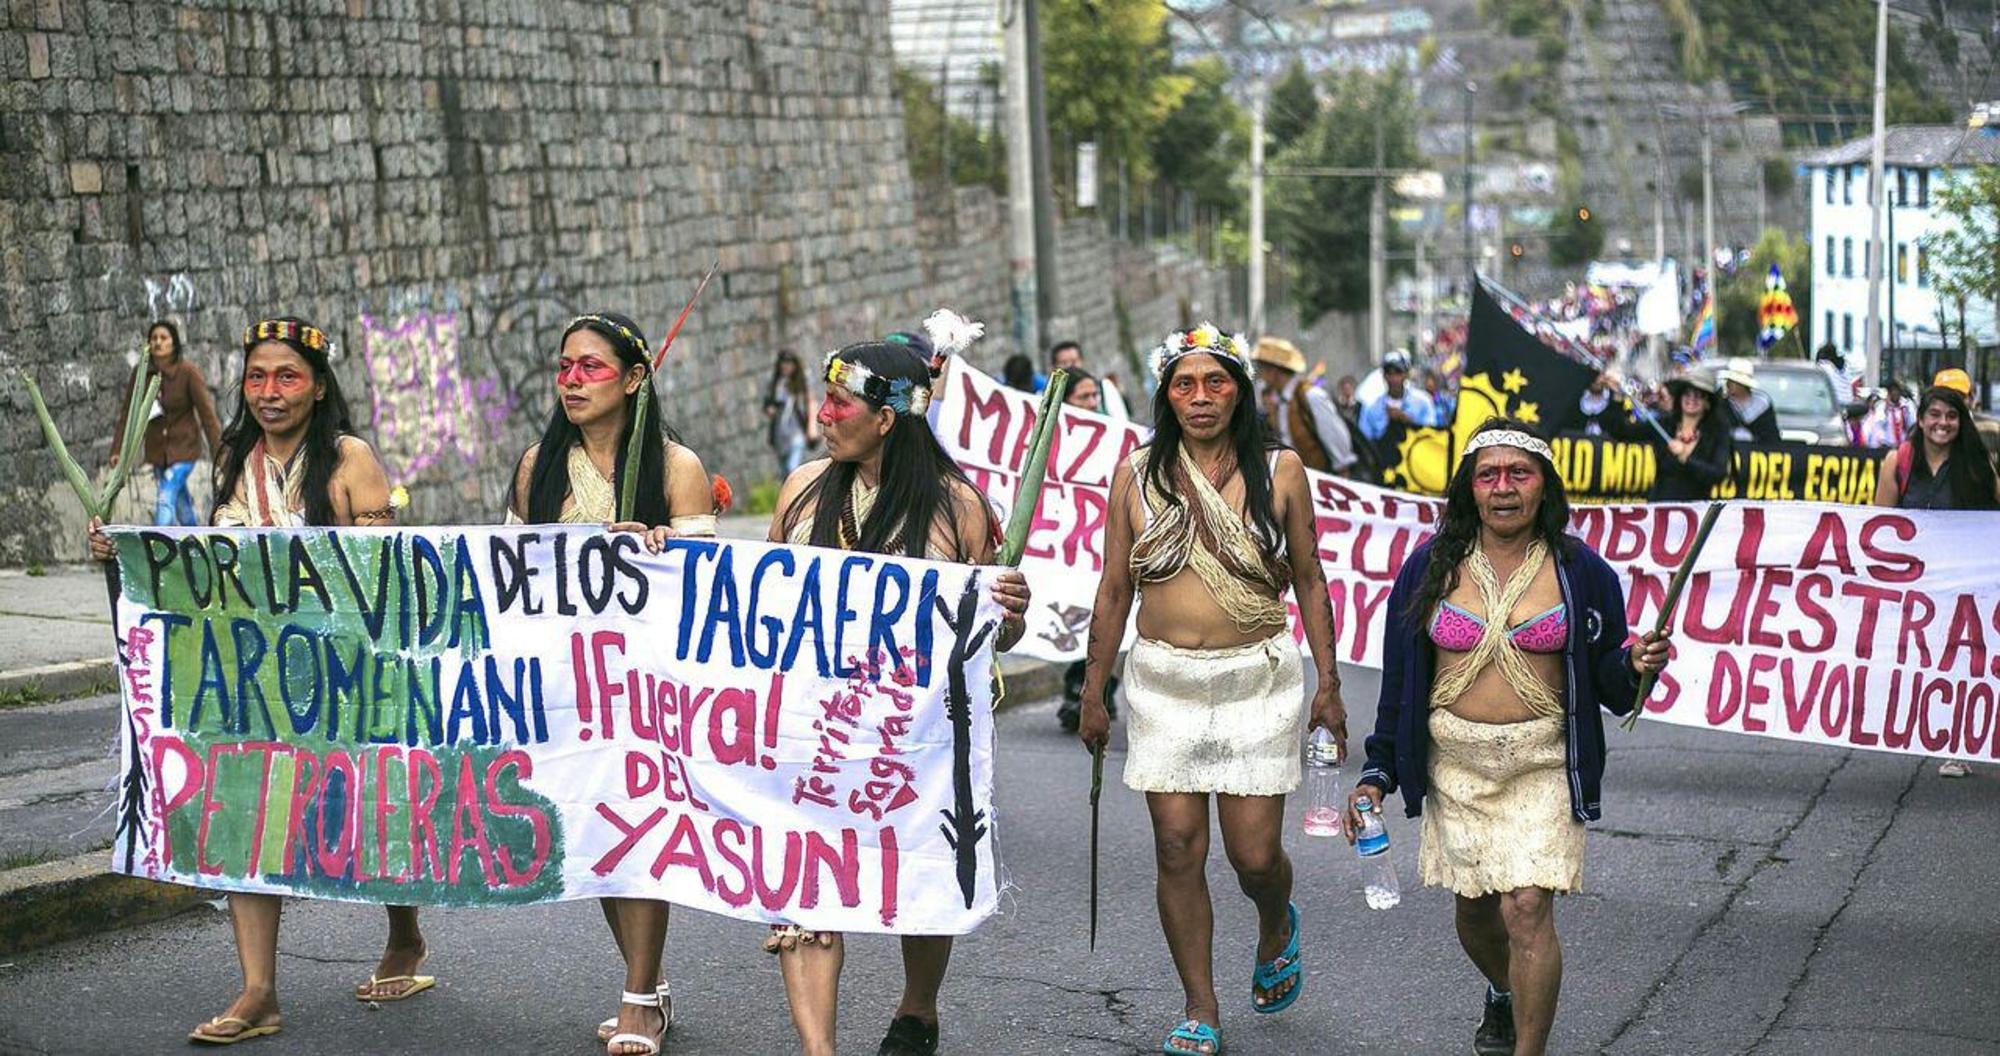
(1737, 299)
(1109, 78)
(931, 136)
(1965, 251)
(1321, 224)
(1204, 145)
(1290, 107)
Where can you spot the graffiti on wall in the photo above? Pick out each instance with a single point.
(427, 406)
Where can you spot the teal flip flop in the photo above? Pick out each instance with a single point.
(1195, 1031)
(1269, 976)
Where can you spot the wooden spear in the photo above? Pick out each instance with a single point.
(628, 487)
(1672, 600)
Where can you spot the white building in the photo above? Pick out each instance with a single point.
(1918, 159)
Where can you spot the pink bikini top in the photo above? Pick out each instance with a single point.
(1456, 630)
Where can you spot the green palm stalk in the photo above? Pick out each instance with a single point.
(1671, 601)
(1029, 494)
(97, 500)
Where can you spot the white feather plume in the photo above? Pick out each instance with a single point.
(952, 333)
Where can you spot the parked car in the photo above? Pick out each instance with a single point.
(1807, 397)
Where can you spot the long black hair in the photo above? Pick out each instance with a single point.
(1458, 526)
(548, 488)
(1714, 420)
(172, 332)
(918, 479)
(329, 422)
(1247, 436)
(1971, 469)
(796, 383)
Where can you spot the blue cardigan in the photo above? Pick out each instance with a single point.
(1399, 749)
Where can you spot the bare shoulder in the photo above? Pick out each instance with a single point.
(356, 456)
(1288, 469)
(682, 459)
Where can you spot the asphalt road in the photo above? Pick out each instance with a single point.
(1742, 895)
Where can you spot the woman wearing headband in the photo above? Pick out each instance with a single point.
(289, 458)
(885, 487)
(1504, 637)
(600, 376)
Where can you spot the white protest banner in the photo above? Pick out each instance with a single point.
(484, 716)
(1840, 625)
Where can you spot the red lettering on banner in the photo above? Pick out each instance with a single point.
(384, 809)
(1914, 623)
(1839, 690)
(1725, 690)
(423, 833)
(1664, 518)
(468, 827)
(1364, 615)
(1935, 740)
(729, 832)
(1971, 740)
(977, 408)
(1857, 732)
(1799, 705)
(1092, 509)
(1968, 635)
(1893, 735)
(1751, 538)
(1821, 583)
(1872, 598)
(1766, 607)
(336, 858)
(1628, 537)
(1646, 590)
(1829, 536)
(1896, 566)
(684, 848)
(541, 839)
(1756, 692)
(1730, 630)
(1041, 525)
(1093, 430)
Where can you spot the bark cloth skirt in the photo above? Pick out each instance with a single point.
(1215, 720)
(1497, 815)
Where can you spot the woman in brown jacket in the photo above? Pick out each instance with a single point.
(183, 415)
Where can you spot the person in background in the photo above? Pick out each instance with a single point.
(1343, 395)
(792, 429)
(1504, 638)
(1599, 400)
(1893, 418)
(1445, 402)
(183, 416)
(1083, 395)
(1398, 410)
(1696, 453)
(1018, 373)
(1300, 415)
(1755, 417)
(1068, 355)
(1084, 392)
(1943, 467)
(1854, 418)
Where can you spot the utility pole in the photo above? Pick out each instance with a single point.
(1257, 91)
(1873, 338)
(1465, 203)
(1017, 18)
(1378, 264)
(1047, 276)
(1655, 343)
(1708, 203)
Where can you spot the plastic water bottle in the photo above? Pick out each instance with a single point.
(1378, 870)
(1322, 785)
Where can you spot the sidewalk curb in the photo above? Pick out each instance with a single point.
(75, 897)
(1028, 681)
(60, 681)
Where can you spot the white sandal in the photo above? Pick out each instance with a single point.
(653, 1042)
(666, 992)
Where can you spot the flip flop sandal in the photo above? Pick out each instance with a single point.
(249, 1030)
(1194, 1031)
(1268, 976)
(418, 984)
(666, 992)
(651, 1042)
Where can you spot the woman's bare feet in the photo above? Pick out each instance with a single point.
(251, 1011)
(396, 974)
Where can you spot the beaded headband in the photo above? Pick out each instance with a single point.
(284, 330)
(1204, 338)
(1534, 445)
(615, 326)
(948, 333)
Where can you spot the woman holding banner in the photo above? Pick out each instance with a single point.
(600, 376)
(1209, 524)
(1504, 637)
(1692, 448)
(289, 458)
(886, 487)
(1944, 467)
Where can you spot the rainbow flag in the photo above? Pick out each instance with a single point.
(1704, 328)
(1775, 314)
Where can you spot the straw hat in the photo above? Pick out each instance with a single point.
(1739, 370)
(1700, 379)
(1280, 353)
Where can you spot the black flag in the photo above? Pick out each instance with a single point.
(1511, 371)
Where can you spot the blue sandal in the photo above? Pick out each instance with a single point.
(1269, 976)
(1195, 1031)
